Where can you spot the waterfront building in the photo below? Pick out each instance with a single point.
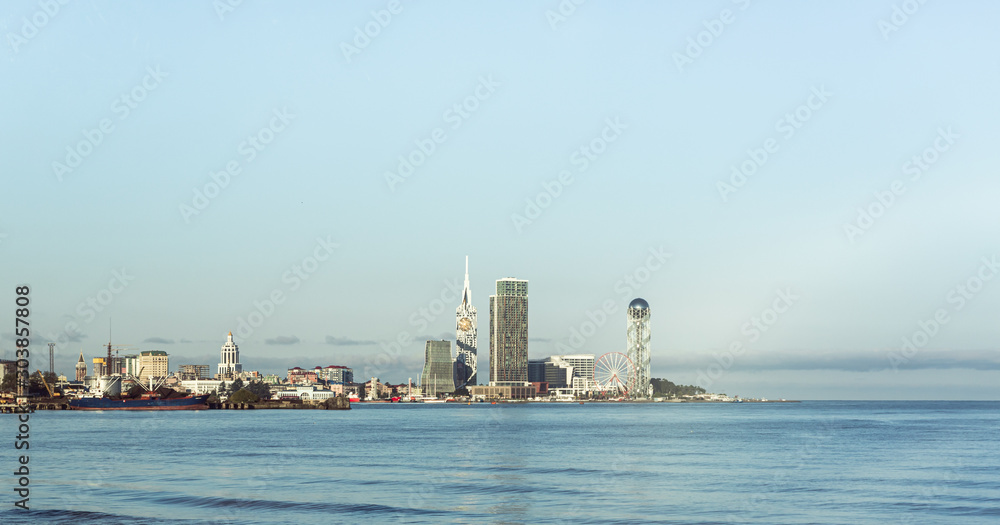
(230, 365)
(335, 374)
(9, 367)
(536, 370)
(556, 373)
(81, 368)
(99, 369)
(637, 345)
(116, 366)
(382, 390)
(306, 394)
(153, 363)
(465, 367)
(582, 365)
(189, 372)
(436, 377)
(131, 365)
(302, 376)
(574, 372)
(509, 333)
(503, 391)
(200, 386)
(541, 388)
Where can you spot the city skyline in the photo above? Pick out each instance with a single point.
(804, 193)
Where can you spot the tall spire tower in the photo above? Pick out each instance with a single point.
(230, 366)
(81, 368)
(637, 345)
(464, 369)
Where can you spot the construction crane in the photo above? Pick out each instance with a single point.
(116, 348)
(46, 383)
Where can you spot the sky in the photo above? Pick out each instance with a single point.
(804, 192)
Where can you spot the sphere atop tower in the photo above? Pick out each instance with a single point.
(639, 303)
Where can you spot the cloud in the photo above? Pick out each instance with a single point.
(540, 340)
(443, 336)
(186, 341)
(344, 341)
(854, 361)
(282, 340)
(64, 337)
(159, 341)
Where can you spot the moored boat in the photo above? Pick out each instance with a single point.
(149, 401)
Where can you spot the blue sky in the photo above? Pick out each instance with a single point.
(116, 116)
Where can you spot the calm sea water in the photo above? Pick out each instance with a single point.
(813, 462)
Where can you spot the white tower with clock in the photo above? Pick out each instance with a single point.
(465, 337)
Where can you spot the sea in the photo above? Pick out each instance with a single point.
(815, 462)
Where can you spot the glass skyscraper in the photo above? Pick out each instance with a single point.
(436, 376)
(509, 333)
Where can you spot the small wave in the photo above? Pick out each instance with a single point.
(305, 506)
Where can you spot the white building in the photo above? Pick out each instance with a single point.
(230, 365)
(201, 386)
(306, 394)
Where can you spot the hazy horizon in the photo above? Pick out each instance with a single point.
(823, 168)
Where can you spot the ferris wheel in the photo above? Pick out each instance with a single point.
(614, 373)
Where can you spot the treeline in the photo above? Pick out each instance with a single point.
(239, 392)
(665, 388)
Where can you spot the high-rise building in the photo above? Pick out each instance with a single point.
(192, 372)
(132, 365)
(117, 365)
(336, 374)
(81, 368)
(509, 333)
(436, 377)
(230, 365)
(564, 371)
(99, 368)
(153, 363)
(637, 341)
(465, 366)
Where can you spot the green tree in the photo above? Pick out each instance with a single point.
(243, 396)
(9, 383)
(259, 389)
(663, 387)
(236, 385)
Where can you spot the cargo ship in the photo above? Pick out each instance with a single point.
(147, 401)
(107, 395)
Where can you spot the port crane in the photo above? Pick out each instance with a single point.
(46, 383)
